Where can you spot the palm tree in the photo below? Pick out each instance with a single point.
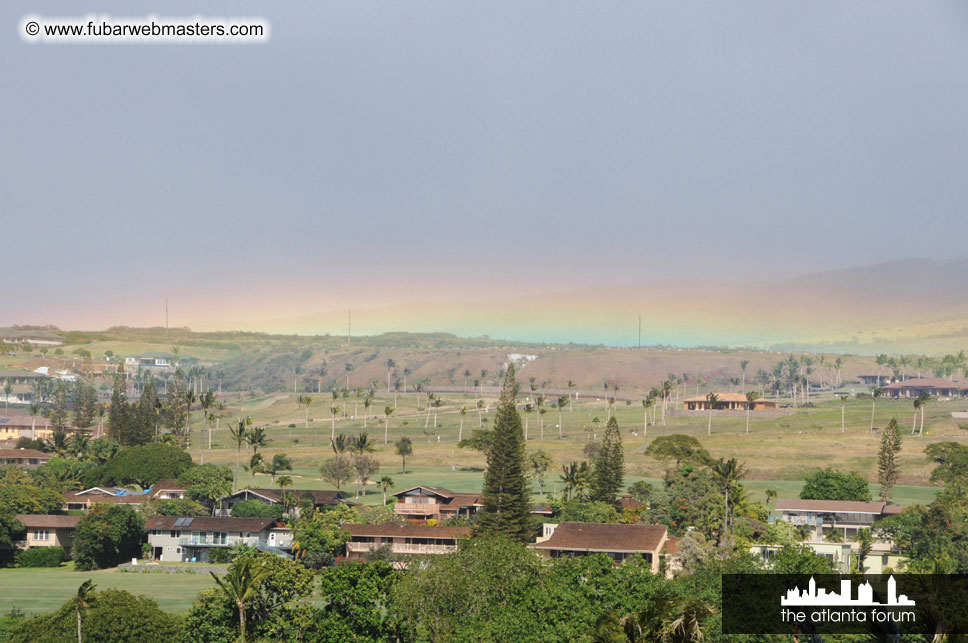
(876, 392)
(647, 403)
(923, 398)
(240, 585)
(82, 601)
(404, 448)
(865, 542)
(340, 444)
(751, 397)
(389, 364)
(843, 411)
(257, 438)
(387, 412)
(770, 496)
(279, 462)
(575, 478)
(711, 401)
(480, 409)
(562, 403)
(460, 430)
(728, 473)
(483, 375)
(367, 402)
(386, 483)
(437, 403)
(239, 435)
(666, 618)
(335, 411)
(743, 364)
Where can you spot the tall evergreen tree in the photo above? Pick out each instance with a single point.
(888, 469)
(119, 411)
(85, 405)
(608, 472)
(505, 493)
(59, 413)
(145, 415)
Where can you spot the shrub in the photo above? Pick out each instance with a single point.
(41, 557)
(256, 509)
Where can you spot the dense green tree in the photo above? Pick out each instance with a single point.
(59, 412)
(111, 616)
(146, 464)
(256, 509)
(10, 532)
(505, 493)
(828, 484)
(207, 483)
(85, 405)
(727, 473)
(608, 470)
(589, 511)
(951, 459)
(118, 412)
(107, 536)
(357, 598)
(318, 536)
(182, 507)
(689, 497)
(677, 447)
(479, 593)
(887, 465)
(144, 416)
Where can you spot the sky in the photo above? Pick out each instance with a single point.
(439, 165)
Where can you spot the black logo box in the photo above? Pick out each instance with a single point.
(751, 605)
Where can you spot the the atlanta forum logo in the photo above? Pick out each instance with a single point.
(843, 607)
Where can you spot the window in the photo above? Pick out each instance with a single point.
(219, 537)
(42, 534)
(174, 534)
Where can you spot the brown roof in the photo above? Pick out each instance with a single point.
(590, 536)
(22, 420)
(24, 453)
(726, 397)
(671, 547)
(320, 496)
(168, 485)
(408, 530)
(926, 382)
(209, 523)
(50, 521)
(628, 502)
(454, 499)
(833, 506)
(95, 497)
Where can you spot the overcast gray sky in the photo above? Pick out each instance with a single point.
(401, 148)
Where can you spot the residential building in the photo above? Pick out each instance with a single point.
(321, 498)
(103, 495)
(14, 425)
(167, 489)
(935, 386)
(48, 530)
(844, 555)
(728, 402)
(425, 502)
(619, 541)
(403, 539)
(30, 336)
(176, 539)
(877, 379)
(153, 360)
(845, 516)
(27, 458)
(627, 503)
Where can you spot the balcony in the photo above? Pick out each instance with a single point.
(211, 542)
(417, 509)
(400, 549)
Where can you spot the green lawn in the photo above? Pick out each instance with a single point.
(43, 590)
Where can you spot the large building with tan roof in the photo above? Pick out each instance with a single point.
(619, 541)
(728, 402)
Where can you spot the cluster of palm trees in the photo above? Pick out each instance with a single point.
(362, 465)
(256, 438)
(946, 367)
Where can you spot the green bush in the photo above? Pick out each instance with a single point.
(256, 509)
(41, 557)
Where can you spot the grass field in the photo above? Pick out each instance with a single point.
(42, 590)
(781, 449)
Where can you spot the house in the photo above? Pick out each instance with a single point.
(876, 379)
(14, 426)
(728, 402)
(103, 495)
(627, 503)
(167, 489)
(881, 557)
(843, 515)
(425, 502)
(156, 360)
(176, 539)
(403, 539)
(30, 336)
(28, 458)
(936, 386)
(21, 385)
(48, 530)
(321, 498)
(619, 541)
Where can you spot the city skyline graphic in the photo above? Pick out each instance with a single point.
(812, 596)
